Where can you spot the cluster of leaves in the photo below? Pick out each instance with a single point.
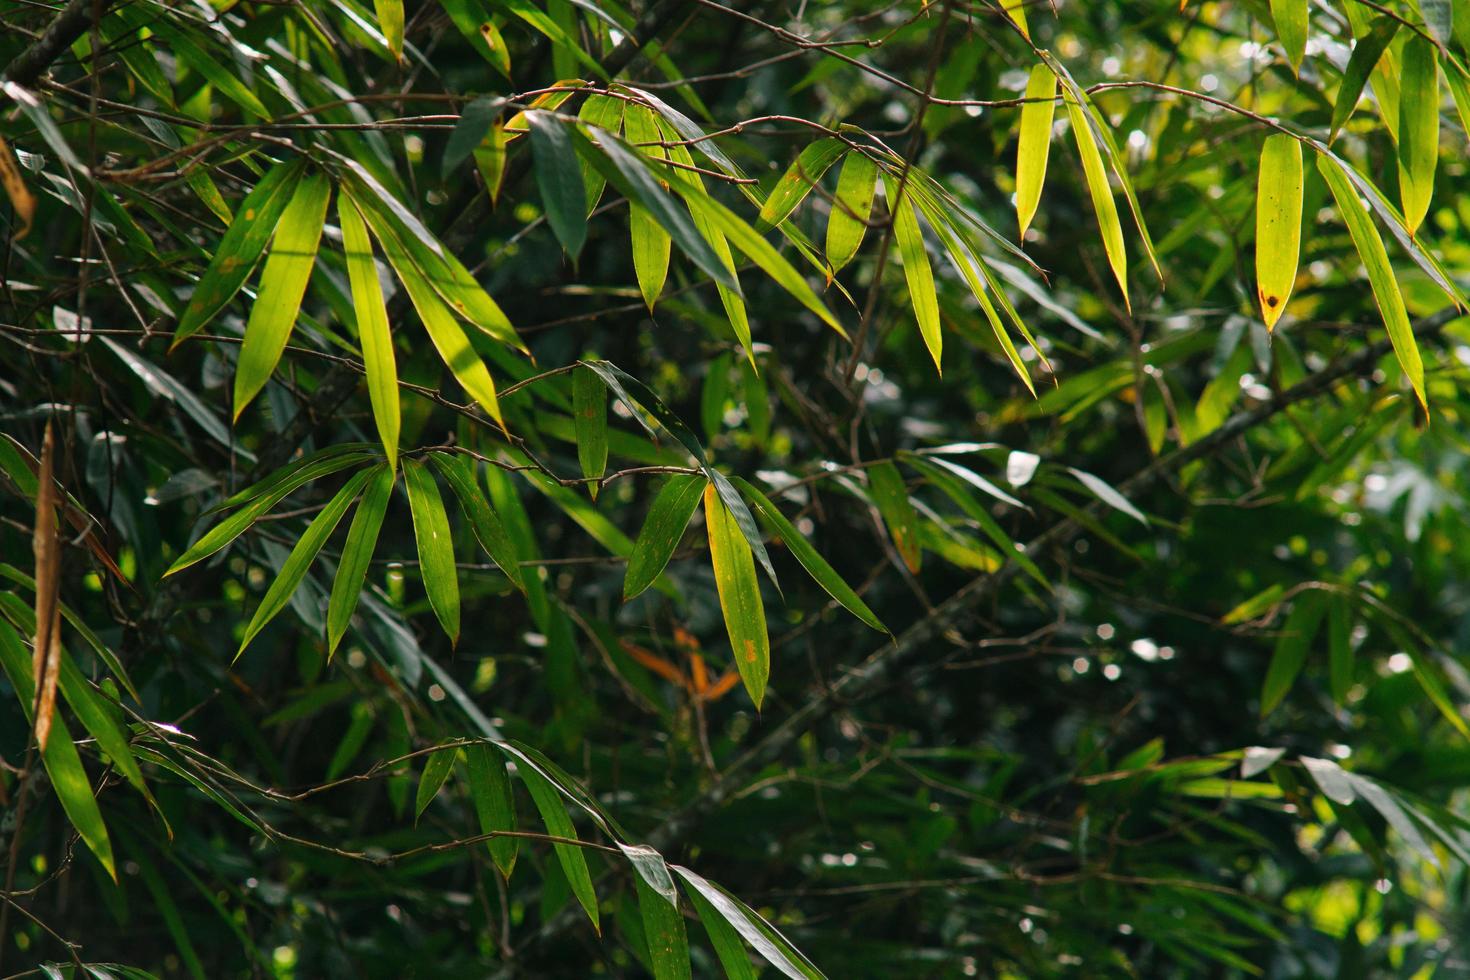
(1128, 602)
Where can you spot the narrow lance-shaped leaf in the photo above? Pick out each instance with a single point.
(1380, 274)
(1365, 57)
(1291, 28)
(667, 519)
(1101, 193)
(816, 566)
(390, 20)
(475, 121)
(494, 804)
(63, 764)
(282, 285)
(240, 248)
(435, 547)
(891, 497)
(1339, 648)
(1418, 128)
(559, 824)
(601, 112)
(562, 191)
(797, 182)
(589, 410)
(436, 771)
(740, 596)
(1278, 224)
(663, 925)
(1296, 638)
(372, 326)
(357, 554)
(1108, 494)
(301, 556)
(1034, 146)
(852, 210)
(916, 269)
(651, 242)
(487, 527)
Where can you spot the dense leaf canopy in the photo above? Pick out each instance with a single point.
(687, 488)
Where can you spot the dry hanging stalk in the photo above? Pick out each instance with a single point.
(15, 189)
(46, 543)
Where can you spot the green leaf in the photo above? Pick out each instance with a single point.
(390, 20)
(1367, 52)
(651, 242)
(916, 269)
(562, 192)
(282, 284)
(712, 901)
(436, 771)
(1291, 28)
(240, 248)
(1278, 224)
(262, 497)
(488, 529)
(603, 112)
(1109, 495)
(474, 125)
(801, 549)
(663, 925)
(1295, 640)
(803, 174)
(435, 546)
(554, 32)
(628, 171)
(1339, 648)
(63, 764)
(740, 596)
(1034, 146)
(494, 805)
(444, 331)
(1380, 274)
(372, 326)
(723, 937)
(664, 527)
(1101, 193)
(302, 555)
(357, 554)
(559, 824)
(891, 497)
(211, 67)
(1418, 128)
(589, 414)
(852, 209)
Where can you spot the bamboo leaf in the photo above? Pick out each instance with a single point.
(240, 248)
(1367, 52)
(562, 192)
(435, 546)
(1339, 648)
(852, 209)
(372, 326)
(1418, 128)
(302, 555)
(390, 21)
(916, 269)
(1291, 29)
(436, 771)
(46, 547)
(63, 764)
(1035, 142)
(602, 112)
(1108, 494)
(650, 240)
(1296, 638)
(487, 527)
(589, 413)
(494, 804)
(751, 927)
(475, 121)
(797, 182)
(723, 937)
(558, 824)
(801, 549)
(664, 527)
(1380, 274)
(1278, 224)
(891, 497)
(740, 596)
(1101, 193)
(663, 925)
(282, 285)
(490, 157)
(357, 554)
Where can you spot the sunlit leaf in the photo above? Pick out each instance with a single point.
(916, 269)
(797, 182)
(459, 472)
(1034, 146)
(1418, 128)
(740, 596)
(852, 208)
(372, 326)
(435, 546)
(1291, 28)
(891, 497)
(357, 554)
(1278, 224)
(1101, 193)
(1367, 52)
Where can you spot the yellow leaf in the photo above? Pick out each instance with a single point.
(1101, 192)
(1278, 224)
(1035, 144)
